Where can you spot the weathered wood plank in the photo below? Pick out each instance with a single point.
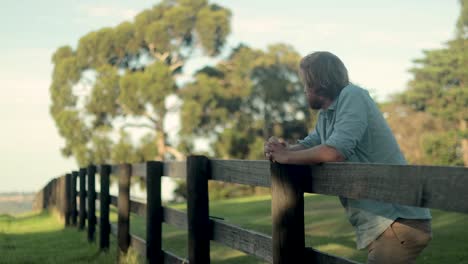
(82, 197)
(115, 169)
(62, 195)
(287, 212)
(317, 257)
(260, 245)
(104, 199)
(74, 209)
(175, 169)
(114, 229)
(138, 208)
(91, 195)
(250, 242)
(114, 200)
(135, 206)
(139, 170)
(250, 172)
(123, 207)
(154, 171)
(68, 198)
(175, 217)
(170, 258)
(139, 244)
(423, 186)
(197, 210)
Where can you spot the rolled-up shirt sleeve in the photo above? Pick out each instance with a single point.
(350, 124)
(311, 140)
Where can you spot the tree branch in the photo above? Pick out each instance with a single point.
(129, 112)
(154, 120)
(125, 108)
(176, 65)
(161, 56)
(177, 154)
(138, 126)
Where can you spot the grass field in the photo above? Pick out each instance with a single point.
(41, 238)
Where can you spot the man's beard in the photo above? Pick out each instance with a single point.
(316, 104)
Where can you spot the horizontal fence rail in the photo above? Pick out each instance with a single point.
(421, 186)
(437, 187)
(248, 241)
(255, 173)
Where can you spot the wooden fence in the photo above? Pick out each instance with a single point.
(438, 187)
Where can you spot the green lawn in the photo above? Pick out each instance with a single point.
(41, 238)
(326, 229)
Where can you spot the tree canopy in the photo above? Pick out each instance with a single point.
(244, 99)
(440, 86)
(120, 78)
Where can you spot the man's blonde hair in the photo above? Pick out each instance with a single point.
(325, 73)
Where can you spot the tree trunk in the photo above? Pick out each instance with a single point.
(161, 145)
(464, 142)
(177, 154)
(163, 148)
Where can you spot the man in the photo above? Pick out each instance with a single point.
(351, 128)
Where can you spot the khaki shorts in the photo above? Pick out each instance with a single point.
(402, 242)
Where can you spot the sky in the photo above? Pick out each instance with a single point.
(377, 41)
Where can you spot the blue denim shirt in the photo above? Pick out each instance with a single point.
(354, 126)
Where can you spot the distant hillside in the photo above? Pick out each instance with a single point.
(15, 203)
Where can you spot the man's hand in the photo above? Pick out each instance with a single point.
(275, 149)
(278, 150)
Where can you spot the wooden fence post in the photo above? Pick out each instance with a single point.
(104, 199)
(199, 230)
(154, 171)
(46, 195)
(53, 198)
(74, 213)
(68, 179)
(82, 212)
(123, 231)
(91, 193)
(287, 206)
(62, 192)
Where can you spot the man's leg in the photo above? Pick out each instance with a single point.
(402, 242)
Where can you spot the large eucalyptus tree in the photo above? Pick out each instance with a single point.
(118, 78)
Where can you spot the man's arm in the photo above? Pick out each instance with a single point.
(296, 147)
(318, 154)
(273, 140)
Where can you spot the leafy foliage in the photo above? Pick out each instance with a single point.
(243, 100)
(439, 86)
(410, 128)
(443, 148)
(119, 78)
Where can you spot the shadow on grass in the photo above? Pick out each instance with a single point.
(41, 238)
